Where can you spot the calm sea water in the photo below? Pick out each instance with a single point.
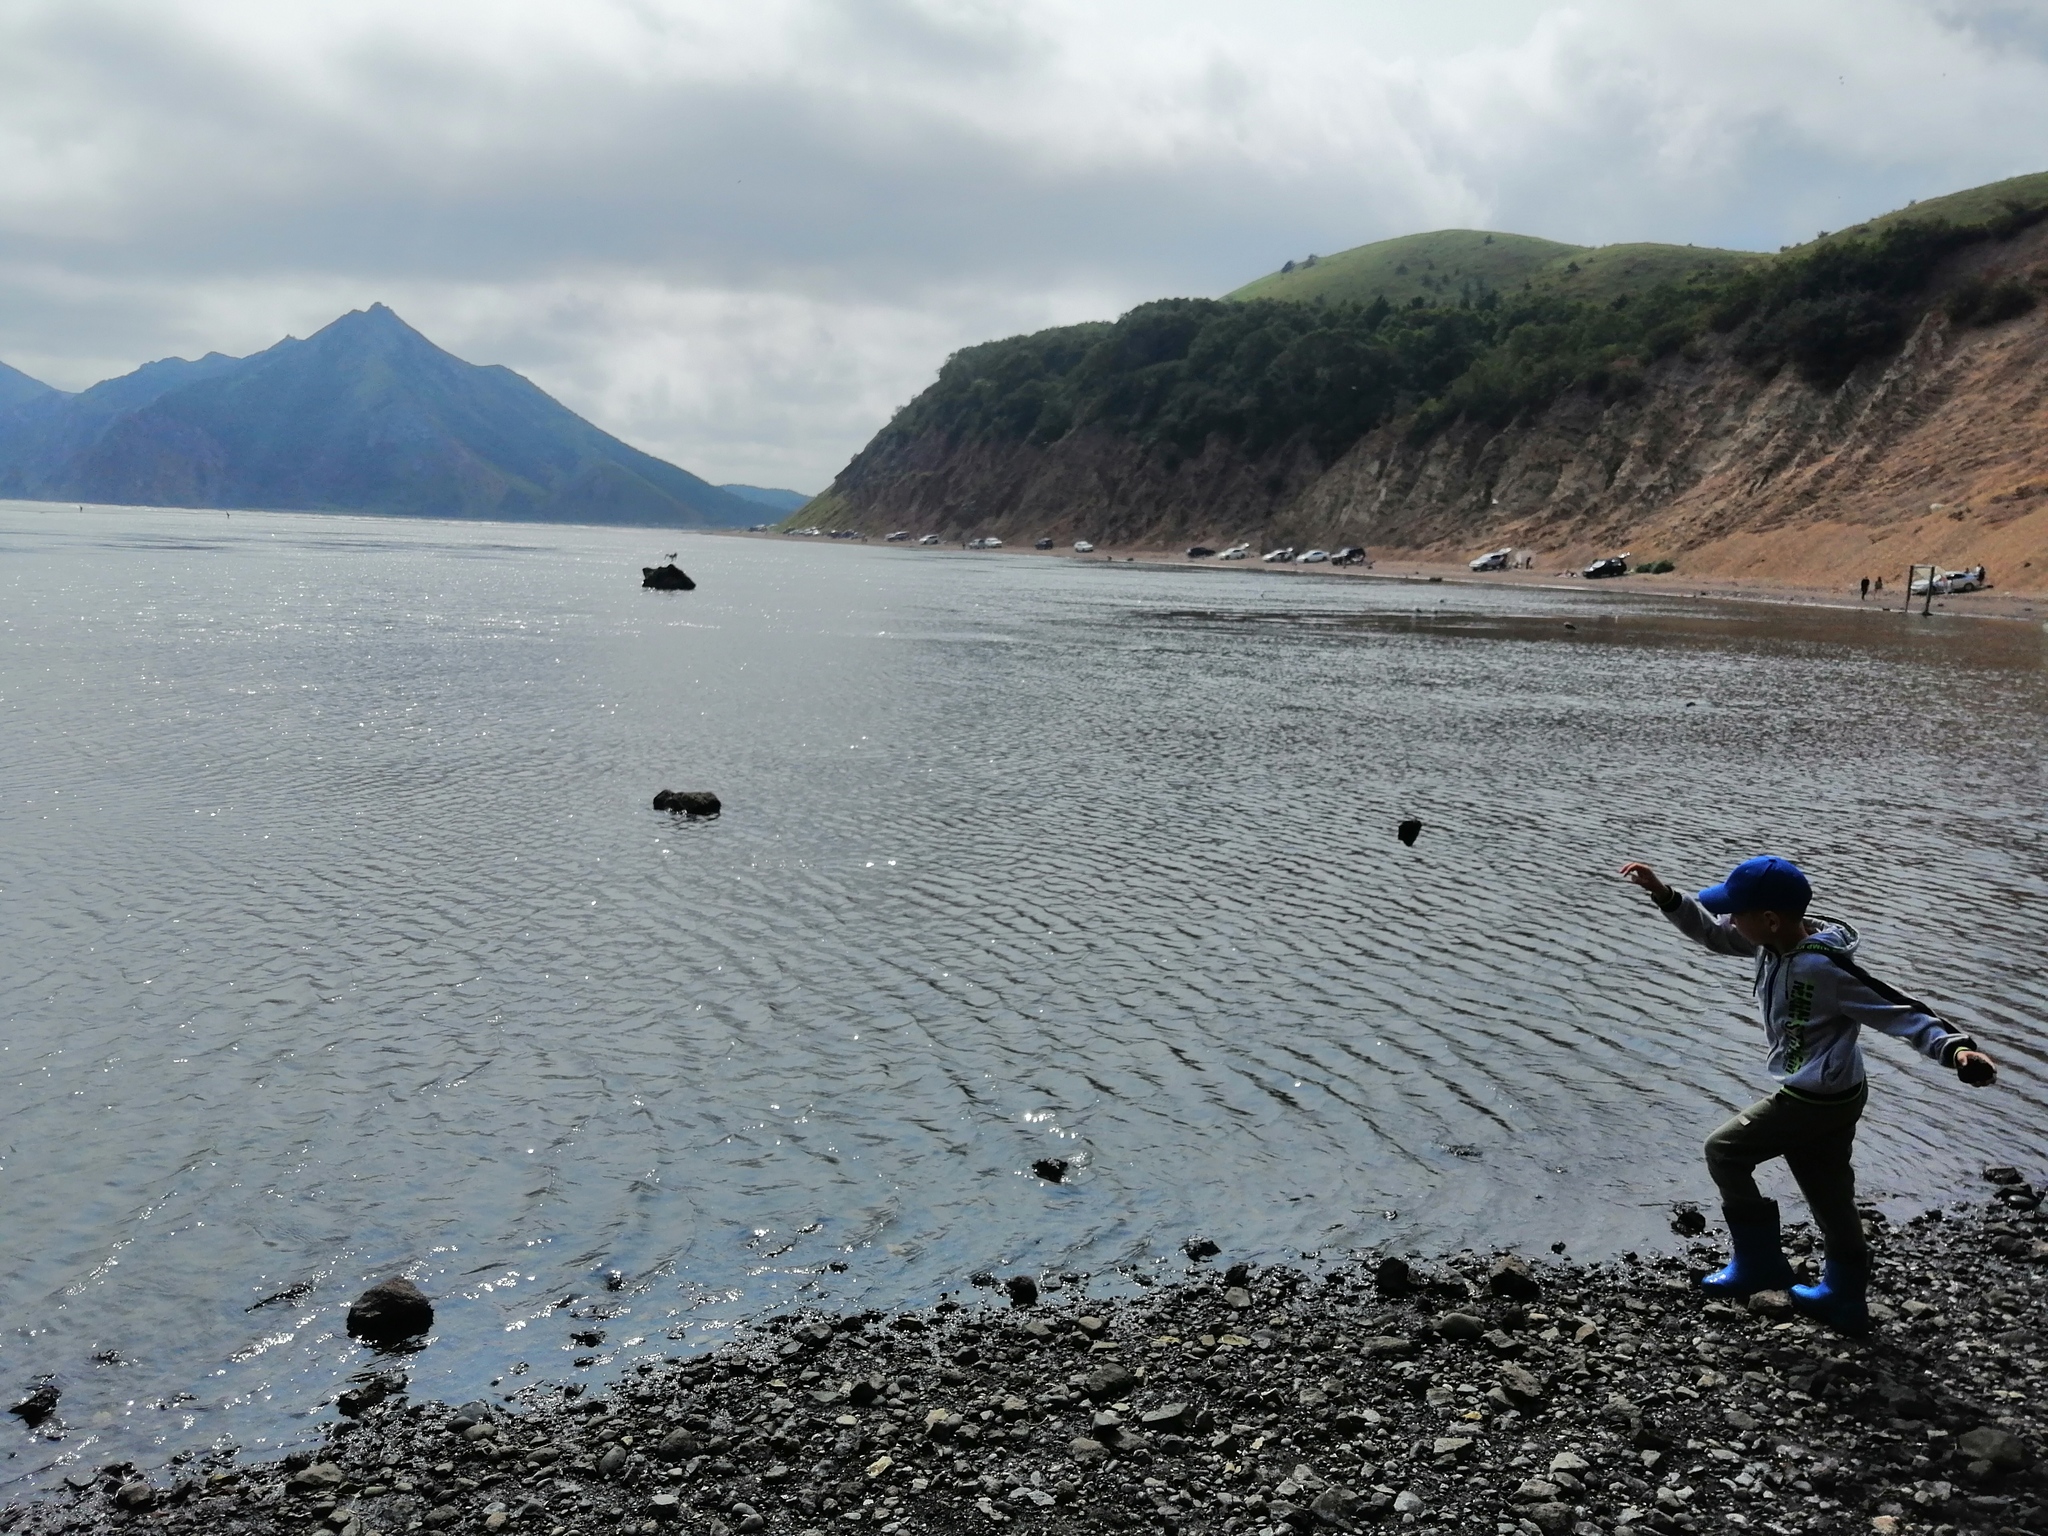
(340, 940)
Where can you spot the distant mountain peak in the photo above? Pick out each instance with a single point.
(366, 414)
(379, 322)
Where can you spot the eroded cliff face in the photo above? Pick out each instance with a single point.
(1940, 454)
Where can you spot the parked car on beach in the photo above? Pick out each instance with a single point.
(1351, 554)
(1312, 557)
(1273, 556)
(1493, 560)
(985, 543)
(1199, 551)
(1613, 565)
(1235, 552)
(930, 538)
(1083, 547)
(1941, 585)
(1043, 544)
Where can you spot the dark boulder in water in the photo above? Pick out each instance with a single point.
(688, 802)
(37, 1406)
(390, 1312)
(1408, 831)
(666, 578)
(1051, 1169)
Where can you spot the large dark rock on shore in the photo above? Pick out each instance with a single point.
(666, 578)
(390, 1312)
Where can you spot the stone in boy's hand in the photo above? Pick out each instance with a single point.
(1976, 1069)
(1646, 877)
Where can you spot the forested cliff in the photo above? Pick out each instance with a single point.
(1885, 385)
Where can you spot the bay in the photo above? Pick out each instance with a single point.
(340, 938)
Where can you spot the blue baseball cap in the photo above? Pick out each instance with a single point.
(1766, 883)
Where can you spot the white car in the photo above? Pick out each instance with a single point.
(984, 543)
(1272, 555)
(1083, 547)
(1235, 552)
(930, 538)
(1312, 557)
(896, 538)
(1497, 560)
(1971, 580)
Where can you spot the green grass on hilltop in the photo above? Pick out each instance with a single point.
(1977, 206)
(1438, 268)
(1449, 266)
(1608, 272)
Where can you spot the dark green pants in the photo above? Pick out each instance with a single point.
(1816, 1141)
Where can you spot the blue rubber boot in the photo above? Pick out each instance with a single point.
(1759, 1263)
(1838, 1300)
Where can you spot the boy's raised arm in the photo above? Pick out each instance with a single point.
(1687, 915)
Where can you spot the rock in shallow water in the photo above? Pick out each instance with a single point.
(37, 1406)
(693, 803)
(390, 1312)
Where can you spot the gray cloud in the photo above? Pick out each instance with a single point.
(740, 235)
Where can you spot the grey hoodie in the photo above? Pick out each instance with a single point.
(1816, 998)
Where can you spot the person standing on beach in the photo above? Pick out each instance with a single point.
(1866, 589)
(1815, 1000)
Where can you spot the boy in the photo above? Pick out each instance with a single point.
(1814, 998)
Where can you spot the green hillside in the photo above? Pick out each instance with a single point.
(1317, 357)
(1448, 266)
(1978, 205)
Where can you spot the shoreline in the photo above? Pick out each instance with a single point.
(1475, 1393)
(1994, 603)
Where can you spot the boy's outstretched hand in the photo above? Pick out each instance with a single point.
(1646, 877)
(1976, 1069)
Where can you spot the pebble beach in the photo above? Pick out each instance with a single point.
(1473, 1393)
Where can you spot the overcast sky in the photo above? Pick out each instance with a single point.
(740, 234)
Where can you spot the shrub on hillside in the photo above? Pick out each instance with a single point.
(1980, 302)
